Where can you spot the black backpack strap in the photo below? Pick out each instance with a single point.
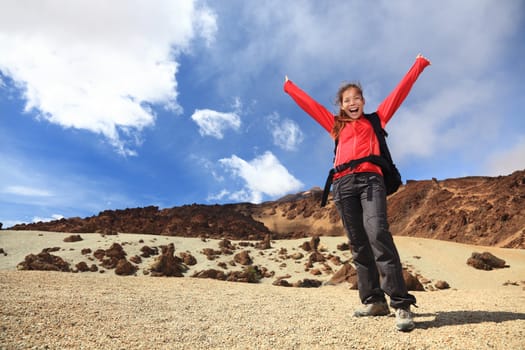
(381, 135)
(327, 186)
(380, 161)
(350, 165)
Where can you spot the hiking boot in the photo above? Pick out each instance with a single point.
(404, 321)
(373, 309)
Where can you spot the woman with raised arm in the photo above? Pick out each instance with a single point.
(360, 197)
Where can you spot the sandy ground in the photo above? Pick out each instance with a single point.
(91, 310)
(434, 260)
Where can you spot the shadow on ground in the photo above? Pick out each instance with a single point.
(456, 318)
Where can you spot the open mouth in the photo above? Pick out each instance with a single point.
(353, 110)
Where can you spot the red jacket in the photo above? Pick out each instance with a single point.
(357, 138)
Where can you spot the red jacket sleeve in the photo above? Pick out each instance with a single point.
(310, 106)
(389, 106)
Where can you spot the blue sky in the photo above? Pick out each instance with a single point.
(119, 104)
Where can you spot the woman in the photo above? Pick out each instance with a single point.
(360, 197)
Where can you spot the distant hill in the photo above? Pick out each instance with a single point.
(476, 210)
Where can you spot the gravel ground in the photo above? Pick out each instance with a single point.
(52, 310)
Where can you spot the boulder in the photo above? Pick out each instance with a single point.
(412, 282)
(441, 285)
(347, 273)
(243, 258)
(44, 261)
(485, 261)
(308, 283)
(167, 264)
(147, 251)
(73, 238)
(125, 268)
(188, 259)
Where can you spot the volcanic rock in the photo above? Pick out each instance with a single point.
(188, 259)
(488, 211)
(347, 273)
(135, 259)
(211, 273)
(85, 251)
(315, 272)
(306, 246)
(316, 256)
(314, 243)
(115, 251)
(211, 254)
(226, 244)
(243, 258)
(167, 264)
(148, 251)
(45, 262)
(265, 243)
(224, 221)
(82, 266)
(296, 256)
(281, 282)
(343, 246)
(308, 283)
(412, 282)
(73, 238)
(336, 260)
(125, 268)
(485, 261)
(99, 254)
(50, 250)
(441, 285)
(250, 274)
(110, 257)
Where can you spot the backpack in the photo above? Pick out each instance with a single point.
(391, 175)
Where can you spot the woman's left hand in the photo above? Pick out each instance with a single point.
(423, 57)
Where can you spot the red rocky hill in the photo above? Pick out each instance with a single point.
(476, 210)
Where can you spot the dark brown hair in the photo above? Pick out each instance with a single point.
(341, 119)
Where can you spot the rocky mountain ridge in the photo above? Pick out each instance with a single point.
(477, 210)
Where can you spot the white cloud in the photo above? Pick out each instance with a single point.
(213, 123)
(18, 190)
(449, 120)
(286, 133)
(397, 29)
(52, 218)
(264, 175)
(99, 65)
(208, 166)
(450, 112)
(32, 184)
(218, 196)
(507, 161)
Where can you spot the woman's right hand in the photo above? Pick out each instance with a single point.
(286, 78)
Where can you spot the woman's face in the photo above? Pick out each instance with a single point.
(352, 103)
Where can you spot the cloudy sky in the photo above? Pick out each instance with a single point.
(121, 104)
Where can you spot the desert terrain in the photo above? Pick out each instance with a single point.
(74, 310)
(277, 275)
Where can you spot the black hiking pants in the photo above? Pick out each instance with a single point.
(360, 199)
